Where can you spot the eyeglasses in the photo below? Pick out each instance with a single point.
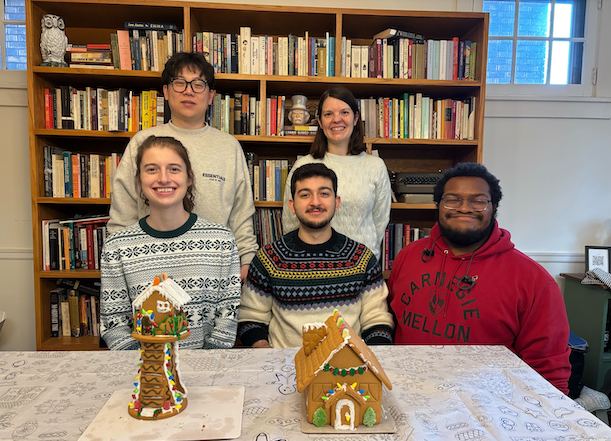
(198, 85)
(454, 203)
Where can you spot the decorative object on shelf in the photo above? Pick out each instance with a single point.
(53, 41)
(598, 257)
(299, 114)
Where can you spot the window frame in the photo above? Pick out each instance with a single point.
(588, 69)
(10, 79)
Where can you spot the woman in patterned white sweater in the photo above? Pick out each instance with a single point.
(363, 182)
(200, 256)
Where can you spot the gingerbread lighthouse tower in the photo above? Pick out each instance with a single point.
(159, 324)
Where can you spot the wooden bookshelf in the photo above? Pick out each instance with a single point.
(92, 21)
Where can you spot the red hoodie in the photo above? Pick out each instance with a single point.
(504, 298)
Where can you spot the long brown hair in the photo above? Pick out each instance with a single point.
(356, 143)
(169, 142)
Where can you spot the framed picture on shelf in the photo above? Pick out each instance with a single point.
(598, 257)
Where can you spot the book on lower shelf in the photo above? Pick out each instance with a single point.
(78, 309)
(267, 225)
(396, 237)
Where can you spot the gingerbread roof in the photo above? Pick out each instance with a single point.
(169, 289)
(339, 336)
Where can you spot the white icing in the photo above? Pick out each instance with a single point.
(169, 289)
(313, 325)
(339, 419)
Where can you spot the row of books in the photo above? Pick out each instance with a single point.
(140, 49)
(245, 53)
(396, 237)
(237, 114)
(416, 116)
(408, 58)
(267, 225)
(75, 309)
(78, 175)
(73, 244)
(92, 108)
(269, 179)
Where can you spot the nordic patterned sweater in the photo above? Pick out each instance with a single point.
(200, 256)
(291, 283)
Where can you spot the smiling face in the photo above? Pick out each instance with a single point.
(314, 202)
(188, 108)
(164, 179)
(463, 227)
(337, 121)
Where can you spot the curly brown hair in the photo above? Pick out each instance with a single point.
(171, 143)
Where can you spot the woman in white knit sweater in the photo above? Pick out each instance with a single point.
(363, 183)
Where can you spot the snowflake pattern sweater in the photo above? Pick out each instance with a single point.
(200, 256)
(291, 283)
(223, 194)
(494, 296)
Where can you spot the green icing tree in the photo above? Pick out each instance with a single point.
(369, 418)
(320, 417)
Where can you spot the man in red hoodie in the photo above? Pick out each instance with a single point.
(468, 284)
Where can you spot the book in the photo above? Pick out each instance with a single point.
(397, 33)
(75, 325)
(54, 296)
(64, 307)
(142, 25)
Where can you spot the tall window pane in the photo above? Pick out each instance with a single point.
(502, 14)
(14, 38)
(14, 10)
(534, 18)
(531, 62)
(499, 61)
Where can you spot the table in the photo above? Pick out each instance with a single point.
(456, 393)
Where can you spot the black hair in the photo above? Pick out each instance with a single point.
(194, 61)
(470, 169)
(356, 144)
(311, 170)
(169, 142)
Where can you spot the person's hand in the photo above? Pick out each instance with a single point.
(261, 344)
(244, 272)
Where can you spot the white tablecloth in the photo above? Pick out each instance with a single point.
(459, 393)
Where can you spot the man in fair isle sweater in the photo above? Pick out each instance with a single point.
(302, 277)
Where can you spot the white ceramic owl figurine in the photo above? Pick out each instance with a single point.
(53, 40)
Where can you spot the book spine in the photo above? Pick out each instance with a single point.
(75, 325)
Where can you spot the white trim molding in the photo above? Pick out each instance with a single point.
(548, 108)
(16, 254)
(556, 257)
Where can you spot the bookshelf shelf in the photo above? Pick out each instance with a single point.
(75, 274)
(85, 343)
(69, 133)
(73, 201)
(93, 21)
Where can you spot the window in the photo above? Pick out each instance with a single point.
(536, 42)
(12, 38)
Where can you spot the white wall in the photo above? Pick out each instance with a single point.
(553, 159)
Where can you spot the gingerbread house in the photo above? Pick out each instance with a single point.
(340, 377)
(159, 324)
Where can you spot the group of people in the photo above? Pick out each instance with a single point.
(182, 204)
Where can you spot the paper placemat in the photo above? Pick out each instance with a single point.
(212, 413)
